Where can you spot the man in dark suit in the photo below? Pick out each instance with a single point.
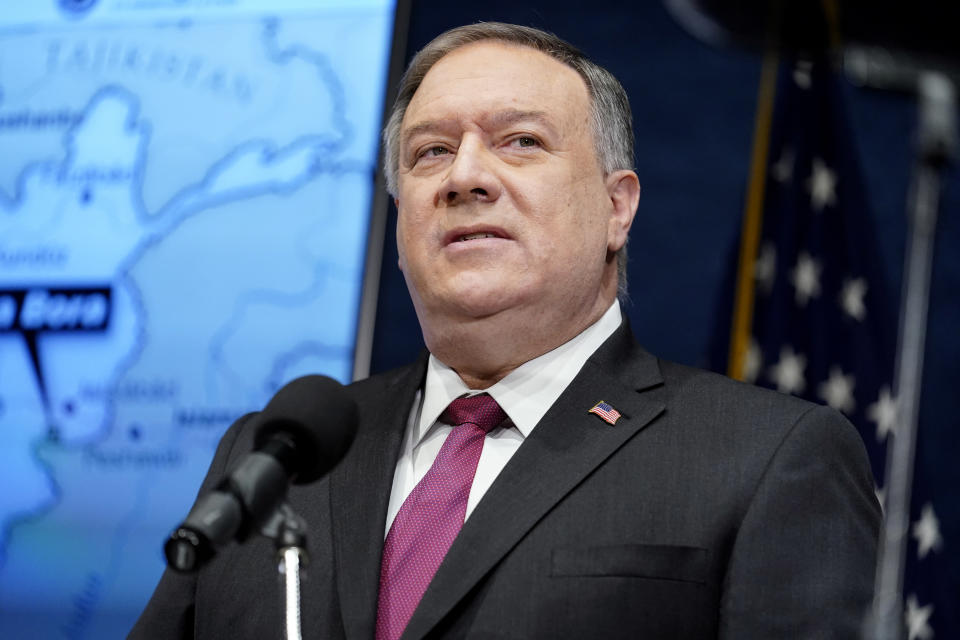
(611, 494)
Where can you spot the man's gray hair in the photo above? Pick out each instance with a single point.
(612, 122)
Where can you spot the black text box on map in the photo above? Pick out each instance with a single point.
(55, 309)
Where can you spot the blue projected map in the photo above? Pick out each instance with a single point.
(184, 203)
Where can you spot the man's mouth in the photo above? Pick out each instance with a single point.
(475, 236)
(466, 234)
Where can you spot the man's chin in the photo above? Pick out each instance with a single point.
(481, 305)
(480, 301)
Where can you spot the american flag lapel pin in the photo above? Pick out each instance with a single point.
(607, 413)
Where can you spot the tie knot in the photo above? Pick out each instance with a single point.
(481, 410)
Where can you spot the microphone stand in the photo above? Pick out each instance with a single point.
(289, 534)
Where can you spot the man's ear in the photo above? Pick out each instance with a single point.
(624, 189)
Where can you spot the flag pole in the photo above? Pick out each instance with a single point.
(752, 217)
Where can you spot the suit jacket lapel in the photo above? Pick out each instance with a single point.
(562, 450)
(359, 493)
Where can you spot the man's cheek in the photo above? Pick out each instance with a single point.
(401, 253)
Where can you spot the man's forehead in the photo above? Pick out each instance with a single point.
(530, 84)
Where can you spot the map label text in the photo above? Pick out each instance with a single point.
(60, 309)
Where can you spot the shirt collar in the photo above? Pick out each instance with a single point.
(527, 392)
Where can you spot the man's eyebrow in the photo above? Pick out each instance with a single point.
(424, 126)
(503, 118)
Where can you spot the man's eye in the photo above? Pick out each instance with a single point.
(526, 141)
(432, 152)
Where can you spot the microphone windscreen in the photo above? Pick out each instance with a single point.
(318, 418)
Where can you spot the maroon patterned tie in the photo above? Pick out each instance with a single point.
(432, 514)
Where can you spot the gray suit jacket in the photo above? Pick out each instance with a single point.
(711, 509)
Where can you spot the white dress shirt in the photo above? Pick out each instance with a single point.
(525, 395)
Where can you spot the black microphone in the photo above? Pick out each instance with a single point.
(304, 431)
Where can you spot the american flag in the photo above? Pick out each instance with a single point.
(605, 411)
(815, 317)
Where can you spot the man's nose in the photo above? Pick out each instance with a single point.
(471, 176)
